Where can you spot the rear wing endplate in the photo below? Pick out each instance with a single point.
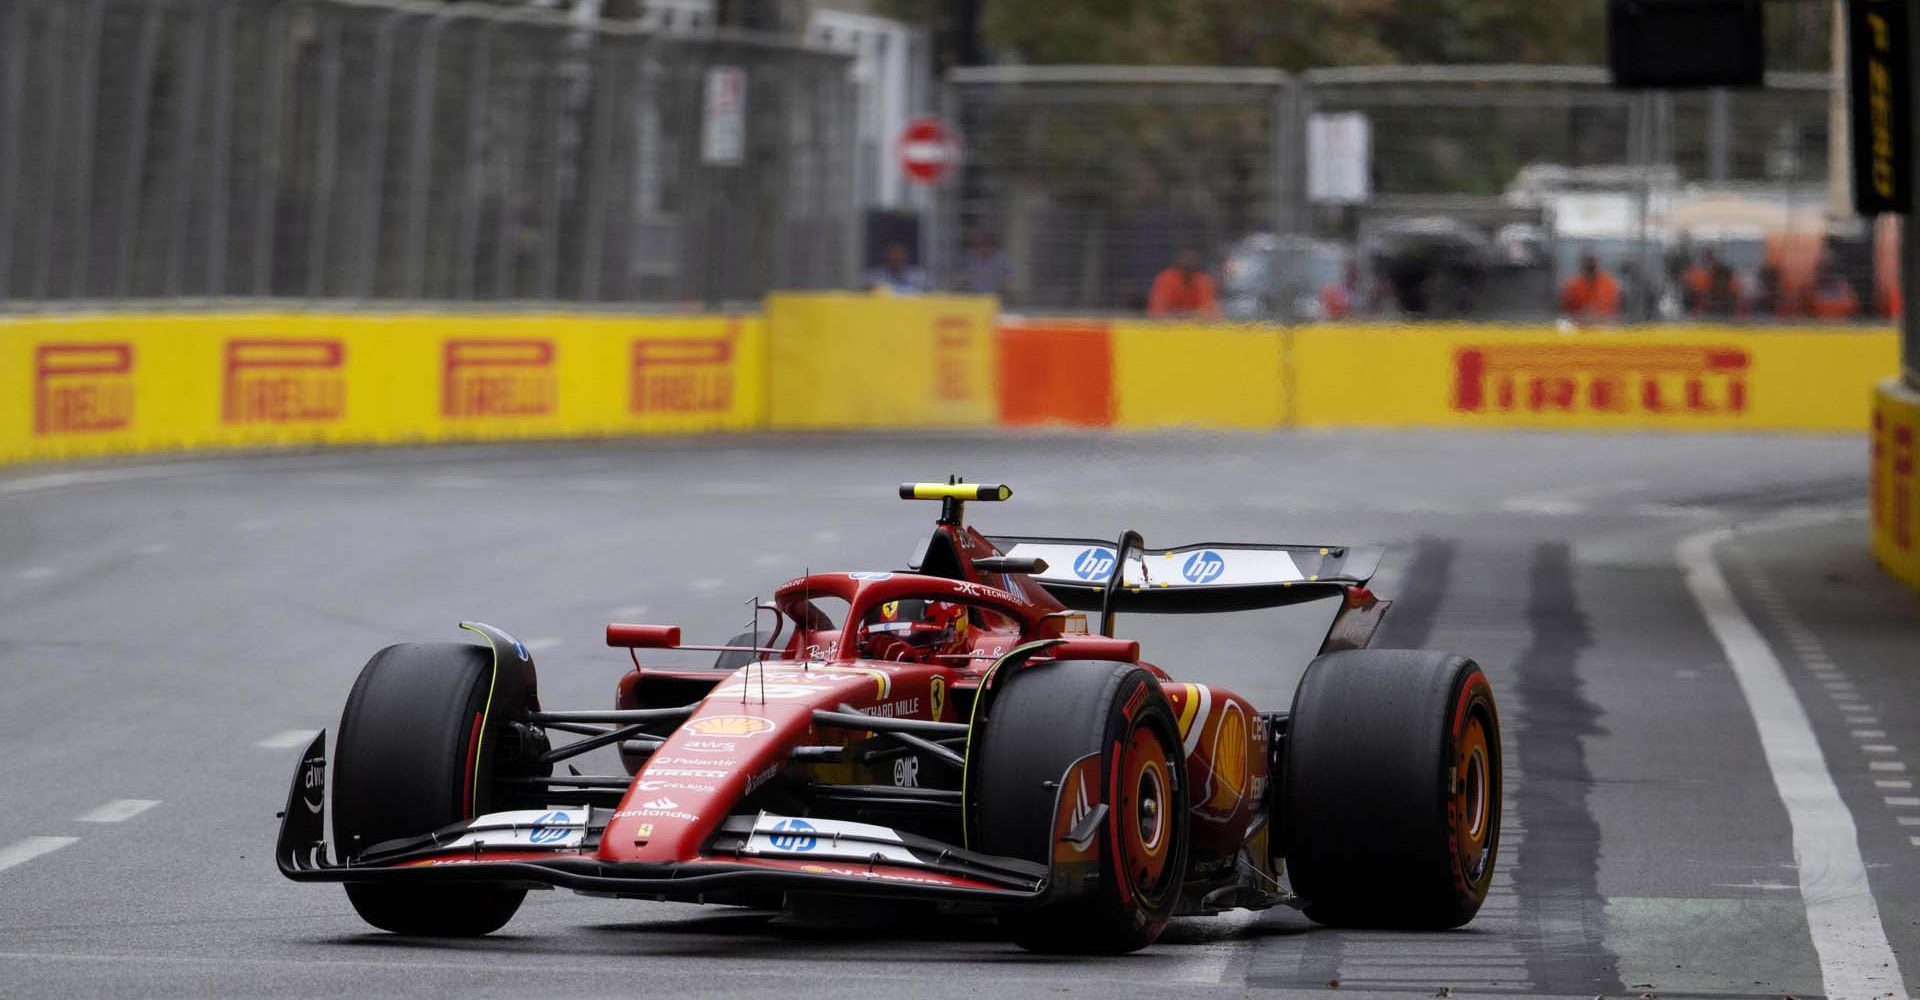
(1194, 579)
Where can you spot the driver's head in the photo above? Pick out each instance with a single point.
(929, 626)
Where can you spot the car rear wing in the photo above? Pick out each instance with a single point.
(1193, 579)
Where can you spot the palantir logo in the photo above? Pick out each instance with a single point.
(1093, 564)
(794, 835)
(551, 828)
(1203, 567)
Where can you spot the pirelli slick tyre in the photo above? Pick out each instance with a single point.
(409, 760)
(1045, 719)
(1392, 794)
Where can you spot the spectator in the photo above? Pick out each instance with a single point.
(1336, 297)
(1590, 296)
(1183, 289)
(1832, 296)
(897, 273)
(984, 269)
(1721, 295)
(1767, 300)
(1697, 279)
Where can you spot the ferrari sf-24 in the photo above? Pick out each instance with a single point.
(954, 732)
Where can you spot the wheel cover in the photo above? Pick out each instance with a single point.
(1144, 811)
(1473, 805)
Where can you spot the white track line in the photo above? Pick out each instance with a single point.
(117, 811)
(30, 848)
(1855, 958)
(288, 739)
(542, 644)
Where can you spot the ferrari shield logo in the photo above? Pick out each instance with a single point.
(937, 694)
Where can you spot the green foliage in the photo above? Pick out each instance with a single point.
(1301, 34)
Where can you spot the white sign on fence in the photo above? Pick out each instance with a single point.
(1339, 157)
(723, 132)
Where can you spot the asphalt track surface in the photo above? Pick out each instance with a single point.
(170, 630)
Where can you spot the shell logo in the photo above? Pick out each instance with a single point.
(1229, 778)
(730, 725)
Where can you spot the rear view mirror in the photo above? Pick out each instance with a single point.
(643, 636)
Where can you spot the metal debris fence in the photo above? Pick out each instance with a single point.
(334, 149)
(1475, 190)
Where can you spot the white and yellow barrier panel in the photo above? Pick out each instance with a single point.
(1895, 499)
(112, 384)
(1666, 378)
(850, 360)
(1202, 375)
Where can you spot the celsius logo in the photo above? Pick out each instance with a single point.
(1203, 566)
(794, 835)
(1093, 564)
(550, 828)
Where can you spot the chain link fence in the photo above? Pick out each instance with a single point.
(1473, 191)
(331, 149)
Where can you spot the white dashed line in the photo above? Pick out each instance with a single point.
(1863, 720)
(1903, 800)
(542, 644)
(289, 739)
(1907, 820)
(117, 811)
(709, 584)
(1898, 783)
(1878, 748)
(30, 848)
(1915, 841)
(1843, 918)
(35, 573)
(1869, 734)
(1885, 765)
(826, 535)
(631, 610)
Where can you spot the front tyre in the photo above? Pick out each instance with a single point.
(1392, 789)
(414, 755)
(1044, 720)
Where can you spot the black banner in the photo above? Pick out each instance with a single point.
(1879, 65)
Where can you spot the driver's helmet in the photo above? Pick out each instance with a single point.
(930, 627)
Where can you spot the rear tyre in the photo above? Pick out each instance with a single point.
(410, 759)
(1392, 789)
(1045, 719)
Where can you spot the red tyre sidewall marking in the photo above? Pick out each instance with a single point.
(1120, 880)
(1462, 880)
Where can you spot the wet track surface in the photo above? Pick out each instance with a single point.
(170, 631)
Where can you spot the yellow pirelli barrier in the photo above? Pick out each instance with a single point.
(844, 360)
(1197, 375)
(109, 384)
(1896, 480)
(1665, 378)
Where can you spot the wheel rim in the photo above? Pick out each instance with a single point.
(1145, 810)
(1473, 803)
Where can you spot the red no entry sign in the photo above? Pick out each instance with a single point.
(929, 149)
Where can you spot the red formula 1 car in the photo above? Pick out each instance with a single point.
(954, 733)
